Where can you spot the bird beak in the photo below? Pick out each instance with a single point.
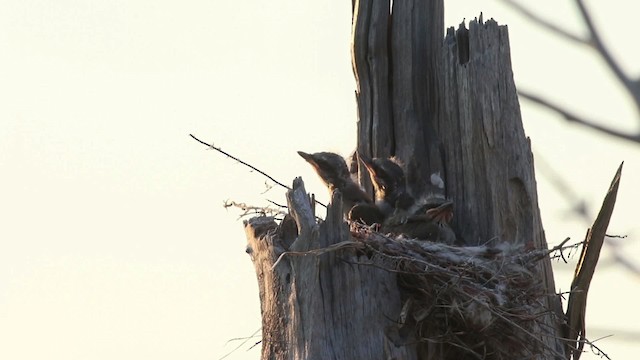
(442, 213)
(308, 157)
(368, 163)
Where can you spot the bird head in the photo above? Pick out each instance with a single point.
(386, 175)
(331, 167)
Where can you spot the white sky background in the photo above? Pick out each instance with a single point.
(113, 239)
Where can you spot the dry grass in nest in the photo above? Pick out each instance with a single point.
(479, 302)
(474, 302)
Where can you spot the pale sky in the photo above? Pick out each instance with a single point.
(113, 240)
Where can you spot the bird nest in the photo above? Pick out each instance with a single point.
(477, 302)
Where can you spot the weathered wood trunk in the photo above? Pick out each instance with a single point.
(488, 163)
(447, 107)
(330, 306)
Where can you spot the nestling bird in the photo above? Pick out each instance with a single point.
(427, 219)
(432, 225)
(365, 213)
(387, 176)
(333, 170)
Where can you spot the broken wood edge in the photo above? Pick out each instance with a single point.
(576, 308)
(301, 208)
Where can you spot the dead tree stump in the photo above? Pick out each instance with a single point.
(447, 107)
(338, 305)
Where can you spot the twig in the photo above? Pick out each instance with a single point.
(267, 188)
(334, 247)
(242, 343)
(620, 334)
(241, 162)
(251, 210)
(572, 117)
(559, 249)
(597, 43)
(254, 345)
(594, 42)
(595, 349)
(244, 337)
(616, 236)
(547, 25)
(598, 352)
(249, 166)
(276, 204)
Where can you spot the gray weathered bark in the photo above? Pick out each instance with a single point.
(458, 115)
(488, 159)
(333, 306)
(441, 107)
(396, 64)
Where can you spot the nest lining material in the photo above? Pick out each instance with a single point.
(482, 300)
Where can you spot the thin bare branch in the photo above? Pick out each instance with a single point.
(572, 117)
(253, 210)
(593, 41)
(276, 204)
(598, 44)
(240, 345)
(248, 165)
(241, 162)
(547, 25)
(627, 335)
(558, 251)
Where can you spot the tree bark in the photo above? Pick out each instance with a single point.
(488, 160)
(440, 107)
(396, 62)
(331, 306)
